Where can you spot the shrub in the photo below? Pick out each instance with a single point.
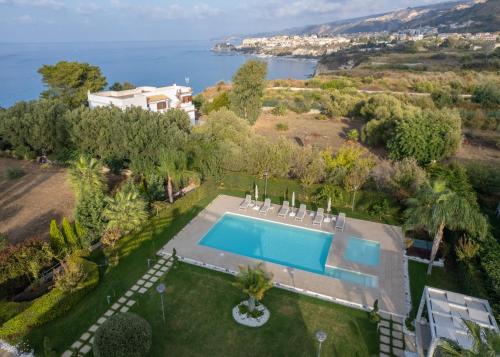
(3, 241)
(487, 95)
(71, 274)
(123, 334)
(51, 305)
(281, 127)
(353, 135)
(14, 173)
(426, 136)
(280, 110)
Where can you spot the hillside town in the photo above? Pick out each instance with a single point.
(319, 46)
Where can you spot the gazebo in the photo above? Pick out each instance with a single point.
(444, 311)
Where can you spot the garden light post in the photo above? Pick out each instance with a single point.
(149, 262)
(321, 337)
(266, 174)
(161, 289)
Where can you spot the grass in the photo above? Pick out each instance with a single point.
(281, 127)
(135, 250)
(441, 278)
(198, 305)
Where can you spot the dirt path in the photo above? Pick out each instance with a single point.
(367, 91)
(28, 203)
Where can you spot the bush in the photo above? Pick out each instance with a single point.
(353, 135)
(280, 110)
(281, 127)
(487, 95)
(426, 136)
(14, 173)
(123, 335)
(51, 305)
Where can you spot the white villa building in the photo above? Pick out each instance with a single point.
(149, 98)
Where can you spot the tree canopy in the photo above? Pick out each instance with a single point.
(70, 81)
(248, 88)
(426, 136)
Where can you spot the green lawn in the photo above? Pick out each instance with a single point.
(199, 322)
(441, 278)
(137, 248)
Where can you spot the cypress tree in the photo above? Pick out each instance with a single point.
(57, 242)
(69, 233)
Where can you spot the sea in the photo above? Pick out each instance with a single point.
(141, 63)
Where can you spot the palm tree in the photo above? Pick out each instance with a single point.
(86, 172)
(254, 282)
(486, 343)
(126, 211)
(173, 166)
(436, 208)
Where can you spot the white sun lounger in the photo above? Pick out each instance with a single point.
(266, 206)
(318, 219)
(301, 213)
(246, 203)
(340, 223)
(284, 209)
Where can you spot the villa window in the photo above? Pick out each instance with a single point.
(161, 105)
(186, 99)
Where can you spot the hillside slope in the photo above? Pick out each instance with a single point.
(459, 16)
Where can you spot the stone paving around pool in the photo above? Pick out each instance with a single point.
(83, 345)
(391, 291)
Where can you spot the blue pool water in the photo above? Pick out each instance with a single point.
(294, 247)
(362, 251)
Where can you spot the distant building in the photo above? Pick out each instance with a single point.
(149, 98)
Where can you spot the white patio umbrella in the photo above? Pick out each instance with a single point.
(256, 193)
(293, 199)
(329, 205)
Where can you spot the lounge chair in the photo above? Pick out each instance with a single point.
(266, 206)
(246, 203)
(301, 213)
(284, 209)
(340, 222)
(318, 219)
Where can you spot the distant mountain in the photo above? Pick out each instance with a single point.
(461, 16)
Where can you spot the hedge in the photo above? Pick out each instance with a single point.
(51, 305)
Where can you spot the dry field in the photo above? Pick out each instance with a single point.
(28, 203)
(306, 129)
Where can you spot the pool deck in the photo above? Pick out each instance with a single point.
(390, 271)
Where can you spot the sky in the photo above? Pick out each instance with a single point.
(129, 20)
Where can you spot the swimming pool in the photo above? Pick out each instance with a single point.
(295, 247)
(362, 251)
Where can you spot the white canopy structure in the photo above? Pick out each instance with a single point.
(445, 311)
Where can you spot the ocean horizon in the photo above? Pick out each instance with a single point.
(155, 63)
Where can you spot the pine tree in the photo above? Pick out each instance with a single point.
(69, 233)
(57, 242)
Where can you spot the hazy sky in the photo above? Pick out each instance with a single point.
(110, 20)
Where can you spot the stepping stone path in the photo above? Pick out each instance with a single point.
(83, 345)
(391, 336)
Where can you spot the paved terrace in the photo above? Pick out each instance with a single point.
(390, 271)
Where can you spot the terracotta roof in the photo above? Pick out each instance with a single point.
(157, 98)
